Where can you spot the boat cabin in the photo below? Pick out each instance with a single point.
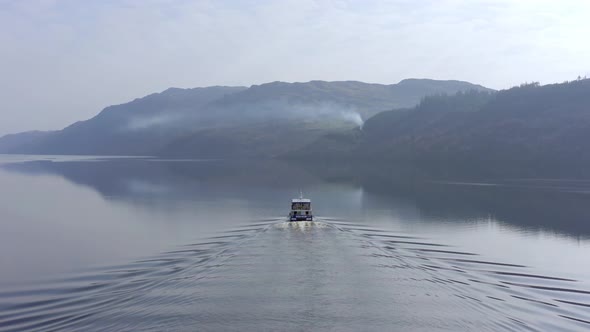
(300, 209)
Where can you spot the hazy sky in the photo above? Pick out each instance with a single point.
(63, 61)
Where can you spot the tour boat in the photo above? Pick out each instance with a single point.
(300, 209)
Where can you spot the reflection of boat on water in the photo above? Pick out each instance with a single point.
(300, 209)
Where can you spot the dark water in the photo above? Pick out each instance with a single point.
(183, 245)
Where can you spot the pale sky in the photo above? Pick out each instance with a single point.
(63, 61)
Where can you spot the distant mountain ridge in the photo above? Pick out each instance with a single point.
(16, 141)
(182, 122)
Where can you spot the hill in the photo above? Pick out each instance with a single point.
(545, 126)
(184, 122)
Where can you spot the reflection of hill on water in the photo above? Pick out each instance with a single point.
(123, 177)
(439, 194)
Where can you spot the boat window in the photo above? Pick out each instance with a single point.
(301, 206)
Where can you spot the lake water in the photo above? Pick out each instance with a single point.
(95, 243)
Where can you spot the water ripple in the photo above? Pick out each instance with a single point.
(303, 275)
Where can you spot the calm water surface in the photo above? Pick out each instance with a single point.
(99, 243)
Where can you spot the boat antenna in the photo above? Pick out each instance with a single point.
(300, 194)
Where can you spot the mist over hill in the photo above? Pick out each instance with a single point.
(262, 120)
